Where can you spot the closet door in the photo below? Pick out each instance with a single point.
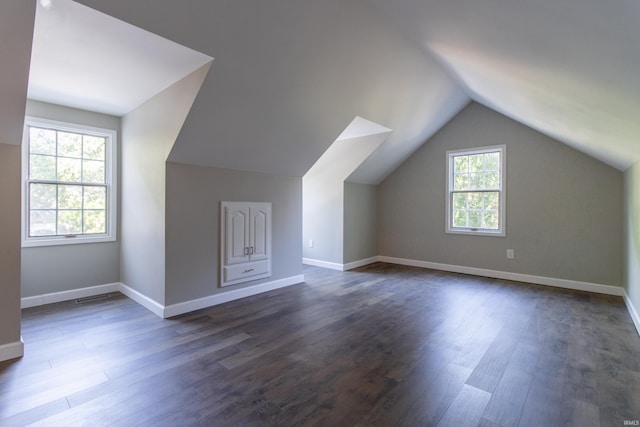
(245, 242)
(259, 229)
(236, 234)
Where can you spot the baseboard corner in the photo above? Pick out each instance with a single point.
(632, 312)
(12, 350)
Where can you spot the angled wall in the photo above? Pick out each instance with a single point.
(323, 200)
(148, 134)
(16, 32)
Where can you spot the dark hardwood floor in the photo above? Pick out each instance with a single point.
(383, 345)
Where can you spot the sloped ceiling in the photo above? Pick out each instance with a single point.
(567, 68)
(85, 59)
(290, 76)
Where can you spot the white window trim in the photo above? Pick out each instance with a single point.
(111, 181)
(501, 231)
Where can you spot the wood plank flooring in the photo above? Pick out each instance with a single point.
(382, 345)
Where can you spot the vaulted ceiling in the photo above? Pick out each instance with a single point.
(289, 76)
(568, 68)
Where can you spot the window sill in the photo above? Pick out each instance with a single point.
(62, 241)
(470, 232)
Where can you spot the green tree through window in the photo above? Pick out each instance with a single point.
(68, 182)
(475, 186)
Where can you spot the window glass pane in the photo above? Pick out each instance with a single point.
(475, 163)
(42, 141)
(93, 171)
(460, 201)
(42, 167)
(475, 181)
(42, 223)
(95, 222)
(491, 220)
(475, 200)
(94, 147)
(491, 201)
(461, 182)
(69, 197)
(69, 222)
(42, 196)
(460, 218)
(95, 198)
(69, 170)
(475, 219)
(460, 164)
(492, 161)
(69, 144)
(492, 180)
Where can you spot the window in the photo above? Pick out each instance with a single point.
(475, 191)
(69, 190)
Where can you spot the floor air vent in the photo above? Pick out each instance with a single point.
(92, 298)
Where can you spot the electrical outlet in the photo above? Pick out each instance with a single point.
(510, 254)
(310, 243)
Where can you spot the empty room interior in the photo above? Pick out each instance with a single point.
(320, 213)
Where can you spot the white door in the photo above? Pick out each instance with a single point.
(236, 234)
(259, 232)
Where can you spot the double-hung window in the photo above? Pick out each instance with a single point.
(69, 192)
(476, 191)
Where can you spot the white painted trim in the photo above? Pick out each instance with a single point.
(12, 350)
(359, 263)
(231, 295)
(323, 264)
(148, 303)
(527, 278)
(68, 295)
(155, 307)
(632, 312)
(338, 266)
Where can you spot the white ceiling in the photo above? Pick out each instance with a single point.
(567, 68)
(85, 59)
(290, 76)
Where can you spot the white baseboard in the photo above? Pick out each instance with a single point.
(632, 312)
(155, 307)
(527, 278)
(68, 295)
(11, 351)
(359, 263)
(338, 266)
(323, 264)
(148, 303)
(230, 295)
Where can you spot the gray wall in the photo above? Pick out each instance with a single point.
(50, 269)
(360, 221)
(323, 194)
(194, 194)
(564, 209)
(10, 243)
(148, 133)
(323, 206)
(16, 30)
(632, 234)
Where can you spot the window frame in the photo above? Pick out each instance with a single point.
(111, 177)
(501, 231)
